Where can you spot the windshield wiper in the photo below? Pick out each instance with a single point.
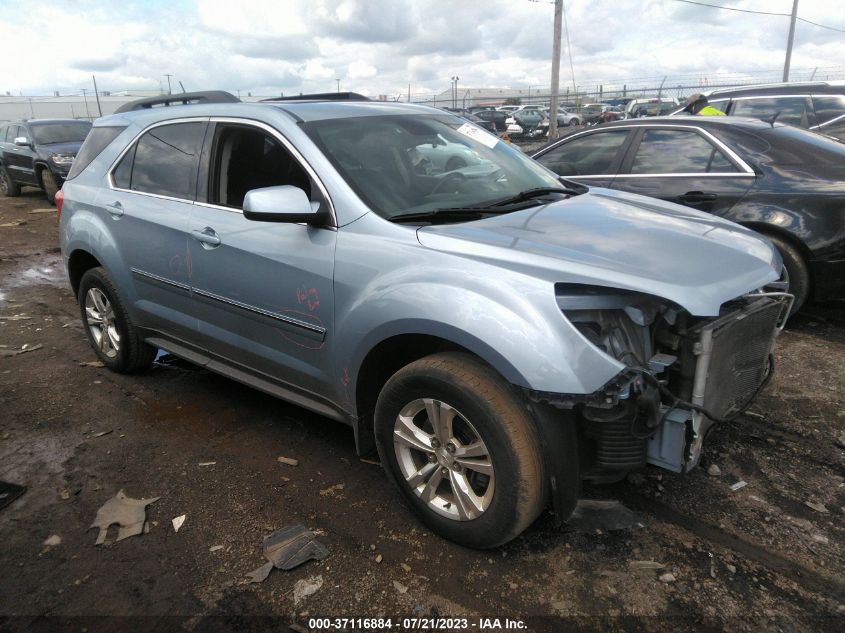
(449, 214)
(528, 194)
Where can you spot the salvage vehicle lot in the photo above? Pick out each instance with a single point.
(754, 558)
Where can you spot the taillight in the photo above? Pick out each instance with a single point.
(60, 200)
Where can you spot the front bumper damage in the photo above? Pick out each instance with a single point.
(684, 374)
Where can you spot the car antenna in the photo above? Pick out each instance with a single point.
(771, 120)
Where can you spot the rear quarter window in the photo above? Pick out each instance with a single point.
(97, 140)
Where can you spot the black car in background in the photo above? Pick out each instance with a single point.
(817, 106)
(497, 117)
(39, 153)
(782, 181)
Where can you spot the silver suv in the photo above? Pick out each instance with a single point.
(496, 334)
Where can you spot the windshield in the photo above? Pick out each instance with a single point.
(413, 163)
(46, 133)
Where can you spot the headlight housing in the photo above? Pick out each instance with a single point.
(63, 160)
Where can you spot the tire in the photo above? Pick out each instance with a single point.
(8, 187)
(796, 268)
(123, 351)
(50, 186)
(488, 418)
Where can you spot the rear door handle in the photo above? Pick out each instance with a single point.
(115, 209)
(207, 236)
(697, 196)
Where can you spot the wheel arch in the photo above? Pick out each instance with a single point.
(79, 262)
(392, 353)
(790, 238)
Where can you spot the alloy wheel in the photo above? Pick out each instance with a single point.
(100, 319)
(443, 459)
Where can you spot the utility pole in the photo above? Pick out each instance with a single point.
(338, 84)
(97, 94)
(168, 75)
(85, 98)
(409, 93)
(555, 70)
(790, 40)
(455, 92)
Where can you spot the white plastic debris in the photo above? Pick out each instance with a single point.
(53, 540)
(306, 587)
(738, 485)
(178, 521)
(130, 514)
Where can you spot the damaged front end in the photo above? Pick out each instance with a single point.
(683, 374)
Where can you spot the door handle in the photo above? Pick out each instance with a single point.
(115, 209)
(694, 197)
(207, 236)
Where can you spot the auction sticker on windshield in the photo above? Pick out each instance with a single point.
(477, 134)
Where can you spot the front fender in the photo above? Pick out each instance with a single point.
(509, 320)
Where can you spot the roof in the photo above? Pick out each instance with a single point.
(823, 87)
(305, 110)
(697, 121)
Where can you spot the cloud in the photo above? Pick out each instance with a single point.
(379, 46)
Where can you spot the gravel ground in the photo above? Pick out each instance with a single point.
(769, 556)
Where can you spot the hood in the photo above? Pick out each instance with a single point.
(620, 240)
(60, 148)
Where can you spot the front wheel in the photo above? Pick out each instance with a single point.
(110, 332)
(455, 438)
(797, 271)
(50, 186)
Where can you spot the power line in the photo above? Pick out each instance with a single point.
(783, 15)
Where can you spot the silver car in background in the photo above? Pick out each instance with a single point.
(496, 334)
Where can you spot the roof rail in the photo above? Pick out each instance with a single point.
(322, 96)
(185, 98)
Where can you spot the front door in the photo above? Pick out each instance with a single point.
(263, 291)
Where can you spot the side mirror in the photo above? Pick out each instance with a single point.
(280, 204)
(22, 141)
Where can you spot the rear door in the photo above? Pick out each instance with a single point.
(153, 186)
(795, 110)
(263, 291)
(686, 166)
(590, 157)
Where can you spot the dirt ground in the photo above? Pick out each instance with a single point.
(754, 559)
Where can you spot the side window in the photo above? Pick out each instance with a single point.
(246, 158)
(793, 110)
(592, 154)
(678, 152)
(828, 108)
(720, 104)
(165, 160)
(122, 174)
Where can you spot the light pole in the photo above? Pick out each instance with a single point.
(455, 92)
(168, 75)
(338, 84)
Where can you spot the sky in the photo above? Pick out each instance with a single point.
(268, 47)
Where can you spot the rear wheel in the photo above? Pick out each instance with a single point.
(8, 187)
(455, 438)
(50, 186)
(796, 268)
(110, 332)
